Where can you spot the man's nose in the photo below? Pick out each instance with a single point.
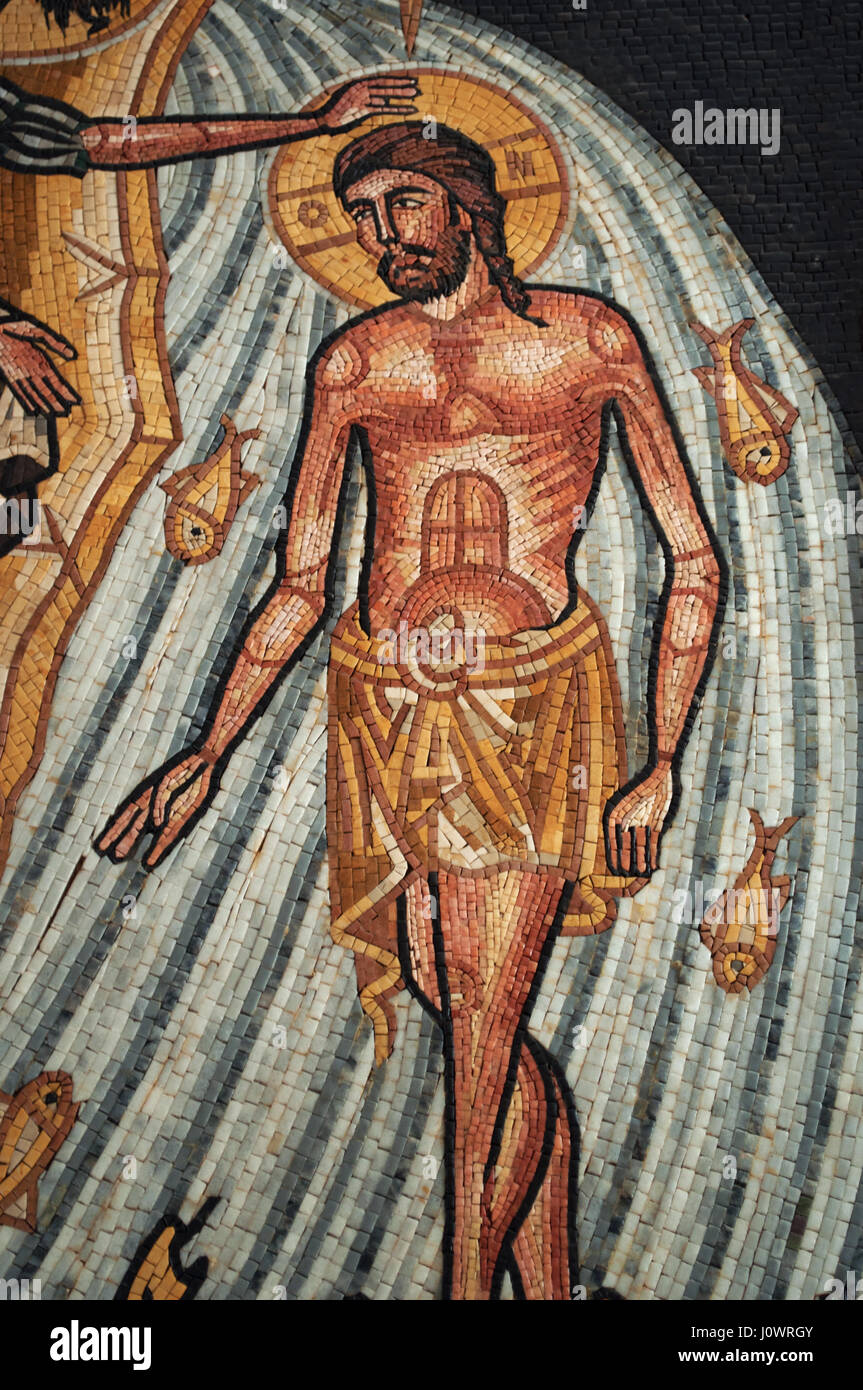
(386, 232)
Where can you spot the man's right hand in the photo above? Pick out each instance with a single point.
(28, 370)
(167, 805)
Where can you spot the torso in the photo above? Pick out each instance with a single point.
(484, 434)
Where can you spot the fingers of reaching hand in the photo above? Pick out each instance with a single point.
(39, 403)
(165, 792)
(41, 397)
(23, 393)
(121, 833)
(394, 94)
(183, 785)
(622, 841)
(57, 396)
(66, 394)
(641, 849)
(56, 342)
(166, 810)
(382, 104)
(398, 86)
(43, 391)
(183, 806)
(45, 337)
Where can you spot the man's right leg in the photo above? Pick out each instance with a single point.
(511, 1135)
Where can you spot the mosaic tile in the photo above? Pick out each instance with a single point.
(393, 592)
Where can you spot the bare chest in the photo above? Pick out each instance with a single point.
(458, 390)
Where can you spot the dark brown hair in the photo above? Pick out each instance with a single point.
(95, 13)
(462, 167)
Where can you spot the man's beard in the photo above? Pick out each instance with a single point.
(95, 13)
(437, 274)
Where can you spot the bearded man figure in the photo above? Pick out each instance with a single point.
(478, 801)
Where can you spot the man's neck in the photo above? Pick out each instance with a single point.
(476, 285)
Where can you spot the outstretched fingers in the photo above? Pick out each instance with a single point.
(26, 396)
(632, 849)
(165, 807)
(168, 790)
(394, 95)
(185, 805)
(58, 394)
(45, 337)
(394, 86)
(124, 829)
(623, 846)
(640, 849)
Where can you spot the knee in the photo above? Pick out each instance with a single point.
(466, 989)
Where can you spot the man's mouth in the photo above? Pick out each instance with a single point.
(419, 273)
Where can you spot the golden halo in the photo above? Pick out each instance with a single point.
(531, 178)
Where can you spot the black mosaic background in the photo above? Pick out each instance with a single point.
(799, 213)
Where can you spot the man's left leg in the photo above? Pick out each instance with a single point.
(543, 1255)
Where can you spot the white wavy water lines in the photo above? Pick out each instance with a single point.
(222, 971)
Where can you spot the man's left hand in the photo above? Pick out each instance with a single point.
(369, 96)
(635, 820)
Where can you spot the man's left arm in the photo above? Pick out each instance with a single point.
(636, 817)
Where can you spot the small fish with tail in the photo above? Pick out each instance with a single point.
(36, 1121)
(206, 496)
(754, 418)
(741, 928)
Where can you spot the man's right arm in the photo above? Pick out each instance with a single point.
(171, 800)
(296, 602)
(270, 643)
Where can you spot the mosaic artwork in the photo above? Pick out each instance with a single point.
(428, 749)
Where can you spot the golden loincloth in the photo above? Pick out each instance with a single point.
(507, 763)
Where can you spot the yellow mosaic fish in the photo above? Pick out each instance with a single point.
(205, 498)
(37, 1120)
(156, 1273)
(740, 929)
(754, 418)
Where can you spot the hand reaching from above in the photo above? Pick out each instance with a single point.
(369, 96)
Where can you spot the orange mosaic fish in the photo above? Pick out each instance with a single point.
(205, 498)
(36, 1122)
(740, 929)
(156, 1273)
(754, 418)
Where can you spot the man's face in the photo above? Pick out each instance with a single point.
(420, 238)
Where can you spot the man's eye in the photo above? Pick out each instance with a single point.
(407, 203)
(357, 213)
